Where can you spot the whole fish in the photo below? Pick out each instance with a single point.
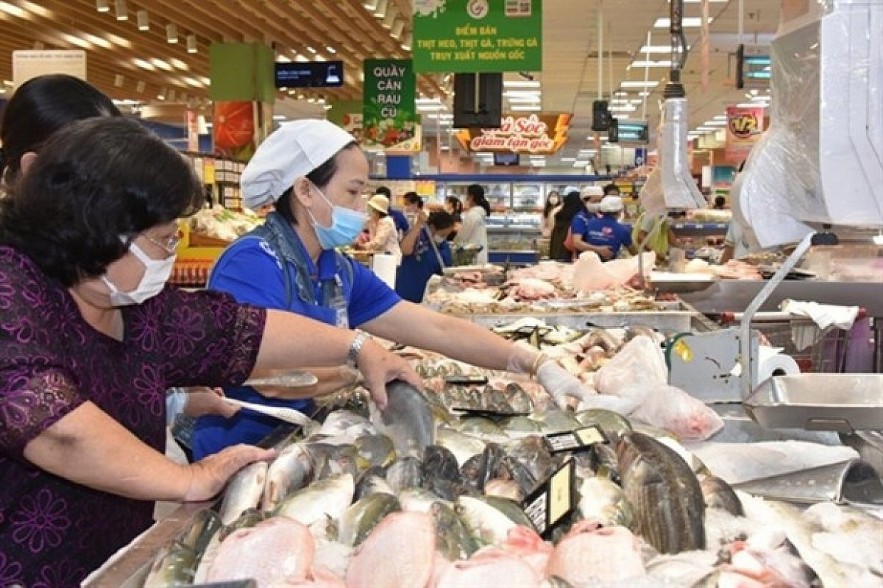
(244, 491)
(407, 419)
(463, 446)
(374, 450)
(372, 481)
(664, 492)
(360, 518)
(174, 565)
(718, 494)
(324, 498)
(452, 536)
(292, 469)
(604, 501)
(406, 472)
(439, 462)
(608, 420)
(249, 518)
(489, 518)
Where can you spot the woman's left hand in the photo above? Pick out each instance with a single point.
(203, 401)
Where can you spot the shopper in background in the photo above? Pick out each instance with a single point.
(382, 229)
(454, 207)
(473, 230)
(401, 223)
(572, 206)
(551, 208)
(413, 204)
(658, 226)
(611, 189)
(426, 252)
(91, 339)
(604, 234)
(315, 173)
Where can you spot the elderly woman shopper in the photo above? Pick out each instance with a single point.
(384, 238)
(92, 338)
(315, 173)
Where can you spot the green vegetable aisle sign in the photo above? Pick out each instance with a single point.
(389, 117)
(477, 35)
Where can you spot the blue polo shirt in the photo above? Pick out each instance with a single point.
(606, 230)
(250, 271)
(398, 217)
(416, 269)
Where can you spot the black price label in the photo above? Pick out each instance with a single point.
(575, 440)
(553, 499)
(465, 380)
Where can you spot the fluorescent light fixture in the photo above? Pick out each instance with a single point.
(102, 6)
(644, 63)
(625, 108)
(119, 41)
(687, 22)
(521, 84)
(191, 44)
(311, 50)
(389, 19)
(143, 20)
(74, 40)
(35, 8)
(523, 99)
(621, 94)
(380, 11)
(121, 10)
(715, 123)
(178, 64)
(752, 105)
(645, 94)
(371, 5)
(406, 42)
(707, 129)
(525, 107)
(398, 27)
(163, 65)
(96, 40)
(171, 33)
(567, 159)
(655, 49)
(719, 117)
(279, 117)
(330, 49)
(638, 84)
(510, 93)
(13, 10)
(877, 239)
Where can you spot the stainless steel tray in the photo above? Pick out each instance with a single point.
(819, 402)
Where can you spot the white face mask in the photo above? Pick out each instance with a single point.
(156, 274)
(592, 207)
(439, 239)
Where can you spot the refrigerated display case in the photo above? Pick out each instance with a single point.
(516, 208)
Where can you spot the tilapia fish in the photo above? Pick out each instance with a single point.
(664, 492)
(407, 419)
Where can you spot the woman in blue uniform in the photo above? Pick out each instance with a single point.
(425, 253)
(316, 175)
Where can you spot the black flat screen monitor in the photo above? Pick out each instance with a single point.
(309, 74)
(478, 100)
(506, 158)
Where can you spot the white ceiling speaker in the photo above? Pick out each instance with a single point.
(143, 20)
(398, 27)
(191, 44)
(122, 12)
(102, 6)
(171, 33)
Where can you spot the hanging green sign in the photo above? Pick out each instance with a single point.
(477, 35)
(389, 114)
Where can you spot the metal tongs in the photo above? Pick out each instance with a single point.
(289, 415)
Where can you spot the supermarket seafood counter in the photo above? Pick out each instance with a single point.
(468, 489)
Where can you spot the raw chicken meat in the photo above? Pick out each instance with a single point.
(398, 553)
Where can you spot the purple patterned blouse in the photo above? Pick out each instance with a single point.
(54, 532)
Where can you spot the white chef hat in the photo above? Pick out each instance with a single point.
(610, 204)
(293, 150)
(591, 191)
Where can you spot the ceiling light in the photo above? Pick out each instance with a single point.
(192, 82)
(752, 105)
(521, 84)
(117, 40)
(13, 10)
(371, 5)
(143, 64)
(398, 27)
(279, 117)
(707, 129)
(163, 65)
(96, 40)
(118, 80)
(686, 22)
(645, 63)
(406, 42)
(162, 93)
(205, 81)
(122, 12)
(74, 40)
(102, 6)
(191, 44)
(171, 33)
(655, 49)
(330, 49)
(143, 21)
(178, 64)
(380, 11)
(621, 93)
(637, 84)
(715, 123)
(311, 50)
(645, 94)
(389, 19)
(719, 117)
(525, 107)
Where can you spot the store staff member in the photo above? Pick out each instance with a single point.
(606, 232)
(591, 197)
(315, 173)
(426, 252)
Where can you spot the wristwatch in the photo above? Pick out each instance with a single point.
(352, 356)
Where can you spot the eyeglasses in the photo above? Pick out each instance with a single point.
(169, 245)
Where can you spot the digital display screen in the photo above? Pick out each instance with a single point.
(506, 158)
(312, 74)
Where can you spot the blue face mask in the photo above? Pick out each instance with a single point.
(346, 224)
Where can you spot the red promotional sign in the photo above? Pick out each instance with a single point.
(744, 129)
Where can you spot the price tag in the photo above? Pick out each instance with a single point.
(483, 412)
(465, 380)
(553, 499)
(575, 440)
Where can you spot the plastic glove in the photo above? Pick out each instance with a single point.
(561, 384)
